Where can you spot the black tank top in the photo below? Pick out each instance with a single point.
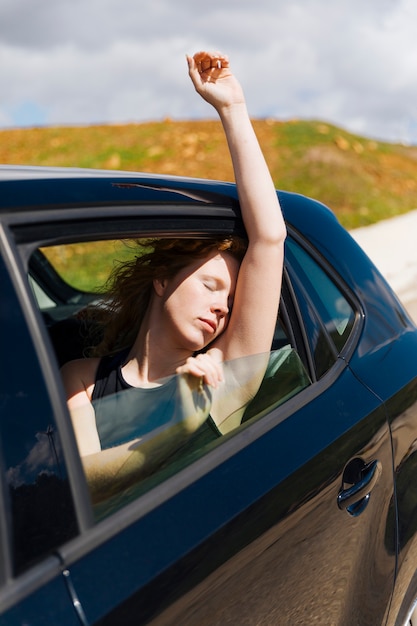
(109, 377)
(122, 417)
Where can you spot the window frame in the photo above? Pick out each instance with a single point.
(15, 586)
(23, 239)
(24, 232)
(303, 343)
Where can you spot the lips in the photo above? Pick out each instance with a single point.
(210, 324)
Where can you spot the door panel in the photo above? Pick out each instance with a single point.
(318, 564)
(403, 415)
(37, 509)
(261, 534)
(50, 604)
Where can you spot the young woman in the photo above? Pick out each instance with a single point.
(212, 303)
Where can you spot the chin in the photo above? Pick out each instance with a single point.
(199, 346)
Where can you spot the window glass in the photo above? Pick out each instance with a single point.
(327, 314)
(170, 426)
(40, 506)
(166, 427)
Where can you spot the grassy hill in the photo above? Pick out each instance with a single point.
(362, 180)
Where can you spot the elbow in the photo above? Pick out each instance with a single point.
(274, 236)
(282, 235)
(280, 230)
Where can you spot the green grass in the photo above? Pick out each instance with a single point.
(86, 266)
(362, 180)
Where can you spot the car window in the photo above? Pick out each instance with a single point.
(172, 426)
(171, 436)
(85, 266)
(327, 315)
(38, 502)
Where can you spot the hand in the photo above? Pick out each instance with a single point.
(204, 367)
(213, 80)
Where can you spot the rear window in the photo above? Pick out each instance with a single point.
(327, 314)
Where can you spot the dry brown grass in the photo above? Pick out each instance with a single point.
(362, 180)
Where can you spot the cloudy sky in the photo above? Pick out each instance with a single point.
(350, 62)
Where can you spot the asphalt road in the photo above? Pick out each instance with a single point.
(392, 246)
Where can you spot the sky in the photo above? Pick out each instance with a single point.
(348, 62)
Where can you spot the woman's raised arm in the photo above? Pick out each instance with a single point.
(253, 318)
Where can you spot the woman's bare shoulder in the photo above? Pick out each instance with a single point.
(80, 372)
(81, 365)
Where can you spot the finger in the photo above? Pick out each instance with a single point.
(194, 73)
(192, 66)
(191, 366)
(195, 374)
(200, 370)
(208, 61)
(203, 367)
(213, 56)
(213, 370)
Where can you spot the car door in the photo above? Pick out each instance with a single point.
(37, 512)
(289, 519)
(253, 533)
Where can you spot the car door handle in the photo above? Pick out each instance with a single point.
(355, 498)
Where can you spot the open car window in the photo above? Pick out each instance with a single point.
(66, 277)
(170, 428)
(85, 266)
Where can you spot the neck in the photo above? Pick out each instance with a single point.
(152, 358)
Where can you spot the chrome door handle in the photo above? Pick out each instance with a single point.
(355, 498)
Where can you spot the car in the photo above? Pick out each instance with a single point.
(305, 512)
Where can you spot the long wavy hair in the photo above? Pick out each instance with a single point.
(129, 288)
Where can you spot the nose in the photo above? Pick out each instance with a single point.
(220, 308)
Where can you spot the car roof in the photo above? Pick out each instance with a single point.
(33, 187)
(36, 172)
(26, 188)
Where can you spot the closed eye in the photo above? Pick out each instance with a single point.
(210, 284)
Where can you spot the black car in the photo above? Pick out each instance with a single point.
(306, 513)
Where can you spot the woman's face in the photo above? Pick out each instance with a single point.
(197, 301)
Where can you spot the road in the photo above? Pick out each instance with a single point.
(391, 245)
(412, 309)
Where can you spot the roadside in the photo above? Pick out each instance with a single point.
(391, 245)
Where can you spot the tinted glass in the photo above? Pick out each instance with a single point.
(41, 511)
(171, 426)
(327, 314)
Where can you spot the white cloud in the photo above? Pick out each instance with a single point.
(42, 458)
(87, 61)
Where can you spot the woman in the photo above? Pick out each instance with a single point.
(188, 325)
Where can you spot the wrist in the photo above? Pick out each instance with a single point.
(235, 111)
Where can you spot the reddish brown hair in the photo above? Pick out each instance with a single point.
(129, 288)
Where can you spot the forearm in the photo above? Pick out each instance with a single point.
(112, 470)
(257, 196)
